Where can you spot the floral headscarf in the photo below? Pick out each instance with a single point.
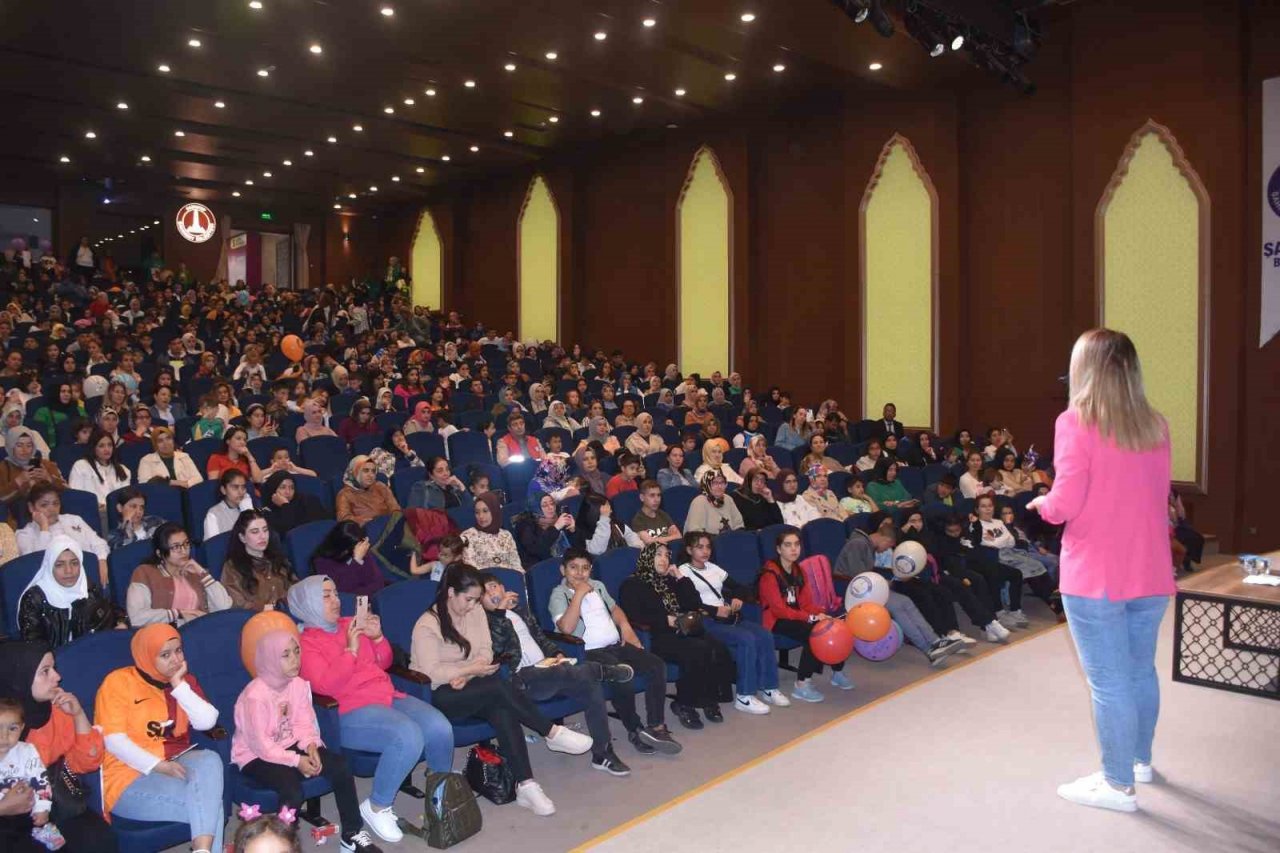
(646, 572)
(353, 470)
(707, 479)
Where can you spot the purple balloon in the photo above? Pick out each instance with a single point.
(46, 245)
(883, 648)
(18, 244)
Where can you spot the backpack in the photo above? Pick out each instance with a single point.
(451, 814)
(818, 586)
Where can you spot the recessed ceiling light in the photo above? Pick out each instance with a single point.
(649, 22)
(122, 106)
(89, 134)
(288, 162)
(475, 149)
(508, 133)
(351, 195)
(510, 66)
(601, 36)
(430, 93)
(193, 42)
(162, 68)
(236, 193)
(64, 159)
(389, 110)
(957, 42)
(332, 139)
(747, 17)
(308, 153)
(358, 128)
(408, 102)
(731, 76)
(255, 4)
(222, 105)
(595, 114)
(395, 178)
(552, 56)
(249, 182)
(316, 49)
(145, 158)
(155, 222)
(387, 11)
(470, 84)
(554, 119)
(373, 189)
(680, 93)
(779, 68)
(445, 159)
(420, 170)
(637, 100)
(266, 174)
(337, 207)
(875, 66)
(179, 133)
(263, 72)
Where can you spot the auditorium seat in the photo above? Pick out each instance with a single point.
(327, 455)
(302, 541)
(162, 500)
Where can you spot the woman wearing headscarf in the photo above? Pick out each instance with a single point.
(172, 588)
(256, 573)
(537, 398)
(421, 419)
(543, 532)
(756, 503)
(285, 507)
(655, 597)
(146, 712)
(822, 499)
(277, 740)
(11, 419)
(588, 459)
(712, 511)
(488, 545)
(795, 510)
(363, 498)
(644, 440)
(168, 464)
(344, 557)
(394, 454)
(713, 453)
(56, 410)
(60, 604)
(347, 660)
(557, 416)
(22, 468)
(598, 433)
(758, 458)
(313, 424)
(59, 729)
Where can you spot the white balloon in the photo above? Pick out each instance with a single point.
(909, 560)
(866, 587)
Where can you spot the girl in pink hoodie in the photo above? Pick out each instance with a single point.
(277, 739)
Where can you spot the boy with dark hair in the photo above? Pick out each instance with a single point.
(630, 468)
(651, 524)
(942, 491)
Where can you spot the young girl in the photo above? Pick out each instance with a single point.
(209, 426)
(277, 739)
(22, 771)
(987, 531)
(267, 834)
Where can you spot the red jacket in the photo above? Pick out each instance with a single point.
(773, 600)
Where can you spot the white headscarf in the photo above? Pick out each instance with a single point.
(59, 596)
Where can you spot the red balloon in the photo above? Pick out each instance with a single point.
(831, 641)
(869, 621)
(292, 348)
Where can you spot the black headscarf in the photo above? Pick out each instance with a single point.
(18, 664)
(298, 511)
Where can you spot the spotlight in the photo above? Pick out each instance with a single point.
(957, 41)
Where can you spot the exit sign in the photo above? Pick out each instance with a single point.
(266, 217)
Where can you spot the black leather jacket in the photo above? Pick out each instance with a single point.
(506, 644)
(39, 620)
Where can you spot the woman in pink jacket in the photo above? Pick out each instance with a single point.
(277, 741)
(1111, 454)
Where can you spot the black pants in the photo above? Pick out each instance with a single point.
(969, 589)
(1192, 540)
(646, 665)
(933, 601)
(796, 630)
(705, 667)
(287, 783)
(582, 682)
(502, 706)
(996, 574)
(15, 835)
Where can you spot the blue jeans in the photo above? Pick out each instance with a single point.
(198, 798)
(1116, 641)
(403, 733)
(915, 628)
(752, 648)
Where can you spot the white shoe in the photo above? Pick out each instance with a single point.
(1096, 791)
(1019, 619)
(530, 795)
(1142, 772)
(750, 705)
(996, 633)
(775, 697)
(962, 637)
(383, 822)
(1005, 618)
(565, 739)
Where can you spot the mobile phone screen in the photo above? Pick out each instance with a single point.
(362, 609)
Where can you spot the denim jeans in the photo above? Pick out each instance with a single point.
(752, 648)
(198, 798)
(1116, 641)
(403, 733)
(915, 628)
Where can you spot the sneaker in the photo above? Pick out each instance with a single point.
(1019, 618)
(659, 737)
(1143, 772)
(962, 637)
(996, 633)
(610, 763)
(530, 795)
(1094, 790)
(806, 692)
(383, 822)
(1005, 618)
(639, 743)
(841, 681)
(618, 673)
(359, 841)
(750, 705)
(713, 714)
(942, 649)
(775, 697)
(687, 716)
(565, 739)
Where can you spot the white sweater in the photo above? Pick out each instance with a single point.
(85, 479)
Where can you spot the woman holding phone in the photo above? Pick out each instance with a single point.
(1111, 452)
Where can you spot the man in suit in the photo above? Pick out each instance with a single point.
(887, 425)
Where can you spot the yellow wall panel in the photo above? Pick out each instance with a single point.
(539, 263)
(899, 265)
(426, 263)
(704, 225)
(1151, 280)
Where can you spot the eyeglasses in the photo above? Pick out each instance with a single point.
(180, 546)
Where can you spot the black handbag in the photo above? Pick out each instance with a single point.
(689, 624)
(69, 798)
(489, 775)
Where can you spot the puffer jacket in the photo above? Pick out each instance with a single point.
(40, 621)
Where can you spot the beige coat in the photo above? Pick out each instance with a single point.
(151, 467)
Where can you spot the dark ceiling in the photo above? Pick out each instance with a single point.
(67, 64)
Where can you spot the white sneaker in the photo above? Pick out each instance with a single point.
(1094, 790)
(1019, 618)
(1005, 618)
(996, 633)
(750, 705)
(565, 739)
(962, 637)
(775, 697)
(530, 795)
(1142, 772)
(383, 822)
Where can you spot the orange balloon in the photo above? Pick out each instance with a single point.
(259, 625)
(831, 641)
(292, 348)
(869, 621)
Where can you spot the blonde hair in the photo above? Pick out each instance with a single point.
(1107, 390)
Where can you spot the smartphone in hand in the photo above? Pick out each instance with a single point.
(362, 610)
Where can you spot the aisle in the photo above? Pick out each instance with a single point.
(970, 762)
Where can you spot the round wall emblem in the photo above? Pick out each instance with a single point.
(196, 223)
(1273, 192)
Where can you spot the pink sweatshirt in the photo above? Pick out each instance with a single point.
(268, 722)
(353, 681)
(1115, 504)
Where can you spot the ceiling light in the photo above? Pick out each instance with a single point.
(89, 134)
(193, 42)
(373, 189)
(420, 170)
(337, 207)
(637, 100)
(601, 36)
(255, 4)
(236, 193)
(680, 93)
(475, 149)
(430, 93)
(510, 66)
(162, 68)
(288, 162)
(389, 110)
(332, 139)
(358, 128)
(508, 134)
(395, 178)
(222, 105)
(747, 17)
(554, 119)
(731, 76)
(308, 153)
(351, 195)
(263, 72)
(64, 159)
(595, 114)
(408, 102)
(552, 56)
(145, 158)
(445, 159)
(179, 133)
(266, 174)
(875, 66)
(649, 22)
(316, 49)
(862, 13)
(470, 84)
(957, 42)
(155, 222)
(779, 68)
(249, 182)
(122, 106)
(387, 11)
